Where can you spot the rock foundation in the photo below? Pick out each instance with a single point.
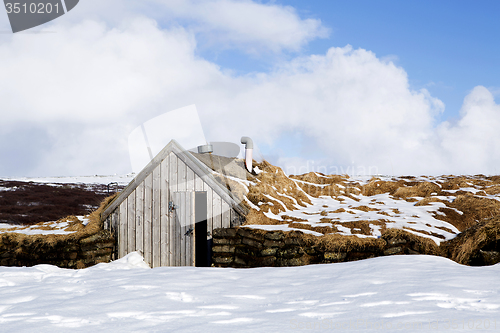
(245, 247)
(65, 253)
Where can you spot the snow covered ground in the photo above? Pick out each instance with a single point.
(44, 228)
(388, 294)
(96, 179)
(26, 201)
(385, 294)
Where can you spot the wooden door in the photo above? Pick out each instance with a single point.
(184, 217)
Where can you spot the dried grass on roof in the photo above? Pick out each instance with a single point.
(319, 178)
(322, 230)
(364, 226)
(425, 232)
(293, 218)
(423, 189)
(257, 217)
(474, 209)
(366, 209)
(454, 182)
(494, 189)
(339, 243)
(465, 211)
(328, 185)
(376, 186)
(428, 200)
(273, 182)
(469, 245)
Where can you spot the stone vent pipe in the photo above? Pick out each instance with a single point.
(248, 151)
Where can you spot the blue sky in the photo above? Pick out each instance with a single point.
(388, 87)
(447, 47)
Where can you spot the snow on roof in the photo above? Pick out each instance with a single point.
(359, 206)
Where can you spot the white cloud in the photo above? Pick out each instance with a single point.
(350, 105)
(84, 88)
(252, 27)
(473, 143)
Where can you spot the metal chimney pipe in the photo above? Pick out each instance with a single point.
(248, 151)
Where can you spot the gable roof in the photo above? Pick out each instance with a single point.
(198, 167)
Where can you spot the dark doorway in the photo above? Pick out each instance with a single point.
(203, 247)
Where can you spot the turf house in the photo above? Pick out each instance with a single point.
(169, 211)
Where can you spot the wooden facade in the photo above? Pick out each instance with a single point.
(168, 212)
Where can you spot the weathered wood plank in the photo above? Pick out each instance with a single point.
(122, 230)
(172, 176)
(164, 232)
(139, 219)
(185, 203)
(173, 172)
(189, 179)
(170, 221)
(131, 223)
(148, 212)
(184, 208)
(156, 217)
(179, 228)
(217, 211)
(181, 176)
(175, 229)
(226, 215)
(198, 182)
(189, 228)
(107, 223)
(115, 222)
(185, 227)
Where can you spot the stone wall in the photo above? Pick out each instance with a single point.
(245, 247)
(63, 252)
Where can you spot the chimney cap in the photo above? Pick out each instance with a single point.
(205, 149)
